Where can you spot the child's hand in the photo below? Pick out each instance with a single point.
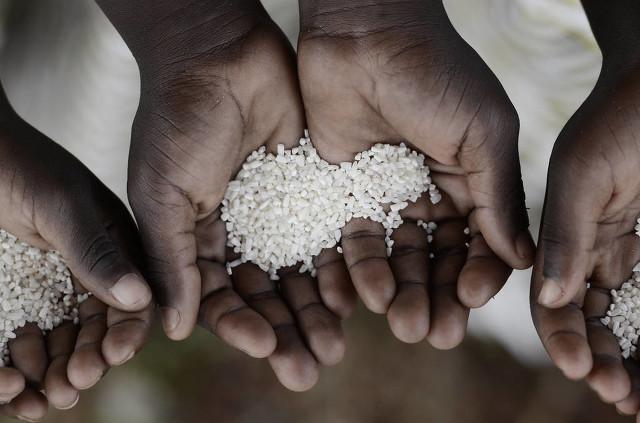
(587, 235)
(218, 81)
(50, 200)
(383, 72)
(587, 241)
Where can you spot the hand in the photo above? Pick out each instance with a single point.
(587, 242)
(587, 235)
(382, 72)
(50, 200)
(218, 81)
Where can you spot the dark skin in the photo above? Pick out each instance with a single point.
(591, 207)
(397, 71)
(218, 81)
(52, 201)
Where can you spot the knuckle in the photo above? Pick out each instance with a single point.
(99, 254)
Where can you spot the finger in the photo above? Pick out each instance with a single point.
(293, 364)
(631, 404)
(12, 383)
(489, 155)
(483, 275)
(167, 225)
(319, 326)
(576, 197)
(29, 354)
(608, 376)
(562, 331)
(126, 331)
(448, 315)
(95, 258)
(86, 364)
(365, 253)
(409, 312)
(335, 286)
(60, 342)
(29, 406)
(226, 314)
(126, 335)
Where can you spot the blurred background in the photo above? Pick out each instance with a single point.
(68, 72)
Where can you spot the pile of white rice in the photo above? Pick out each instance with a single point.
(623, 316)
(35, 287)
(285, 208)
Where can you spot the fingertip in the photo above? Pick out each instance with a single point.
(60, 393)
(610, 380)
(12, 383)
(174, 325)
(342, 302)
(29, 406)
(526, 250)
(473, 293)
(408, 318)
(630, 405)
(377, 289)
(326, 340)
(247, 331)
(292, 362)
(333, 353)
(301, 378)
(446, 336)
(85, 369)
(131, 293)
(116, 355)
(573, 357)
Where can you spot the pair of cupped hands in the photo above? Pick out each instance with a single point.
(219, 80)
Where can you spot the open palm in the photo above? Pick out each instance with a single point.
(209, 98)
(372, 75)
(52, 201)
(587, 240)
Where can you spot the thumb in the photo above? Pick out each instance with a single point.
(167, 224)
(489, 156)
(575, 199)
(98, 261)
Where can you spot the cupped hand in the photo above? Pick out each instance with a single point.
(50, 200)
(375, 71)
(218, 81)
(587, 241)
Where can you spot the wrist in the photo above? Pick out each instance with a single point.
(616, 27)
(167, 34)
(364, 17)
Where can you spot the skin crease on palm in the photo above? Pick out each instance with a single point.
(383, 72)
(591, 207)
(53, 202)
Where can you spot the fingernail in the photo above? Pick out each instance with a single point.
(130, 290)
(550, 293)
(525, 246)
(6, 399)
(26, 419)
(170, 318)
(73, 404)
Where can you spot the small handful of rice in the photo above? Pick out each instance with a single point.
(285, 208)
(35, 287)
(623, 316)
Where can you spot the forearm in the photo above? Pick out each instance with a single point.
(616, 27)
(175, 30)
